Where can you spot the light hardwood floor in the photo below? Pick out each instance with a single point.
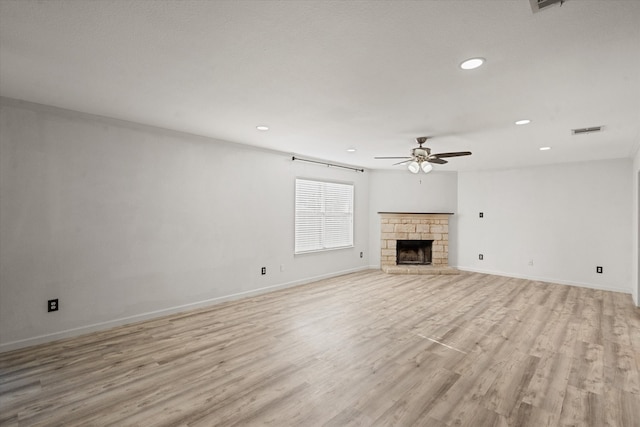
(364, 349)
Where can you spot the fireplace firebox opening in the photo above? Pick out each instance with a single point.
(413, 252)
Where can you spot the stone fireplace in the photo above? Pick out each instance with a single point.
(415, 243)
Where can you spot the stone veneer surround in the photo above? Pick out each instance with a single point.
(415, 226)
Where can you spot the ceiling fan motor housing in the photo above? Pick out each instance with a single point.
(421, 152)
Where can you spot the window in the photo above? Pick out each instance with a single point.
(324, 216)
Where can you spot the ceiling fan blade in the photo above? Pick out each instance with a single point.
(437, 160)
(384, 158)
(402, 162)
(454, 154)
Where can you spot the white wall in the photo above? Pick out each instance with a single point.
(123, 222)
(635, 220)
(401, 191)
(567, 218)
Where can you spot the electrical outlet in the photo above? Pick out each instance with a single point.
(52, 305)
(481, 214)
(480, 257)
(361, 254)
(264, 270)
(599, 270)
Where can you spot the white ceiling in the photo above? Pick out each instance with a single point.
(326, 76)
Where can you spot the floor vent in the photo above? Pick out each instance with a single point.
(582, 131)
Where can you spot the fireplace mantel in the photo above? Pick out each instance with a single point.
(417, 213)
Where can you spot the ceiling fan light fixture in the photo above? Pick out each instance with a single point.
(472, 63)
(426, 167)
(413, 167)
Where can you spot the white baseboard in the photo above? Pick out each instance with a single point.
(538, 279)
(95, 327)
(546, 279)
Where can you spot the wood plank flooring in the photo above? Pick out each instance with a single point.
(365, 349)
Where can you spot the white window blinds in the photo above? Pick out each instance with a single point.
(324, 216)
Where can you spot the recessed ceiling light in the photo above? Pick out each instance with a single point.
(523, 122)
(262, 127)
(472, 63)
(351, 150)
(545, 148)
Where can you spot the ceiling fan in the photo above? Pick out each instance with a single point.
(421, 157)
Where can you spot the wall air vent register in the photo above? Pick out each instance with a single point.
(583, 131)
(538, 5)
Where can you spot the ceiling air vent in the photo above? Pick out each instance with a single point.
(583, 131)
(538, 5)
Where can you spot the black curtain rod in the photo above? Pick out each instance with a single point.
(327, 164)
